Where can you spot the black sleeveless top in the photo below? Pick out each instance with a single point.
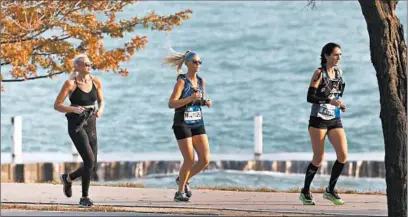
(81, 98)
(181, 113)
(332, 89)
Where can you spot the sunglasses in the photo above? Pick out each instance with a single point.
(87, 64)
(197, 62)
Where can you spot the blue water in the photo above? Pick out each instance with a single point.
(258, 57)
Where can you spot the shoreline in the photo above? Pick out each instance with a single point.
(125, 170)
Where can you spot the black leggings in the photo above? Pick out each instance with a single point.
(85, 141)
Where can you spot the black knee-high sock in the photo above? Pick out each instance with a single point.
(310, 173)
(335, 174)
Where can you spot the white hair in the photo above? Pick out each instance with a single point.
(76, 62)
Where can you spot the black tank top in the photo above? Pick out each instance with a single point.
(81, 98)
(180, 113)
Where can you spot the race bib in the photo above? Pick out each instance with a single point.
(192, 115)
(327, 111)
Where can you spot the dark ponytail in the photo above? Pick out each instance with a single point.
(323, 61)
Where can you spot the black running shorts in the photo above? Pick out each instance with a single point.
(182, 131)
(320, 123)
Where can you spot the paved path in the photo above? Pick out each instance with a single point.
(152, 200)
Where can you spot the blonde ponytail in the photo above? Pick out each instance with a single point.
(176, 60)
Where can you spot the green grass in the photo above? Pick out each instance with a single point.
(291, 190)
(240, 189)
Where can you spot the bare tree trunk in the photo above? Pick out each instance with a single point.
(389, 57)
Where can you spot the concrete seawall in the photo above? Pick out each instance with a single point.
(119, 170)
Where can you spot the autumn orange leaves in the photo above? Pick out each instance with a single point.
(28, 47)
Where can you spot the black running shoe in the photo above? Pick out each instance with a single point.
(85, 202)
(67, 186)
(180, 197)
(187, 188)
(333, 197)
(306, 198)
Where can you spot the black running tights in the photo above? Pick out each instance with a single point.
(85, 141)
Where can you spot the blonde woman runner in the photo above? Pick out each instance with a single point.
(188, 125)
(83, 90)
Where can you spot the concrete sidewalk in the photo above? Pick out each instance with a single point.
(207, 201)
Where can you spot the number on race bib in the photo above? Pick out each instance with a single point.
(326, 111)
(192, 115)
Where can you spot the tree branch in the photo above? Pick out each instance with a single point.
(39, 47)
(51, 26)
(25, 39)
(43, 54)
(56, 39)
(32, 78)
(4, 63)
(311, 3)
